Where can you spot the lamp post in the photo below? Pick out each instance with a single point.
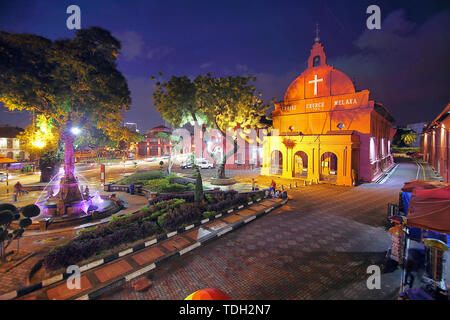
(69, 191)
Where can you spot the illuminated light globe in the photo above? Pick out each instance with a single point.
(75, 130)
(39, 144)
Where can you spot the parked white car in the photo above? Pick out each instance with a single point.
(201, 163)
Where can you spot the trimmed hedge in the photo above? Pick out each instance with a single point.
(117, 231)
(161, 215)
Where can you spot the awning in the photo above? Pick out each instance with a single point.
(3, 159)
(430, 209)
(411, 185)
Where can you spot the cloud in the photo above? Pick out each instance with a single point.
(159, 52)
(274, 86)
(242, 68)
(142, 110)
(404, 65)
(205, 65)
(132, 44)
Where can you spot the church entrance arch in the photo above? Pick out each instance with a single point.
(328, 167)
(276, 163)
(300, 165)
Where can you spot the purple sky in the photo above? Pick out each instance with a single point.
(405, 64)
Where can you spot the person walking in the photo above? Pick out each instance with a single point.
(409, 277)
(18, 188)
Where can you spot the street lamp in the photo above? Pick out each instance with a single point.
(38, 143)
(75, 130)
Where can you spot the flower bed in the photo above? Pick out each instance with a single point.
(160, 216)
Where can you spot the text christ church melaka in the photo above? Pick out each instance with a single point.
(324, 130)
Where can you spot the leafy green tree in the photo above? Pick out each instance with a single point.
(67, 80)
(408, 138)
(223, 103)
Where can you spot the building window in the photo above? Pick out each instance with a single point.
(316, 61)
(10, 143)
(276, 163)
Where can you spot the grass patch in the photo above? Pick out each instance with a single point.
(164, 186)
(142, 177)
(404, 149)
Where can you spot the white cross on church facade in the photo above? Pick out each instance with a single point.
(315, 81)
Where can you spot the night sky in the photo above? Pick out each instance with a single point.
(404, 65)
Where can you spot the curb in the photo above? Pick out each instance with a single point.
(217, 234)
(62, 276)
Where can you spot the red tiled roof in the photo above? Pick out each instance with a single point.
(9, 131)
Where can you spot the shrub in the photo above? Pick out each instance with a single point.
(184, 214)
(208, 214)
(31, 211)
(209, 198)
(87, 245)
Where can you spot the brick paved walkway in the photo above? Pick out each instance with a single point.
(317, 246)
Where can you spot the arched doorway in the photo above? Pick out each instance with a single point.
(300, 165)
(276, 163)
(328, 167)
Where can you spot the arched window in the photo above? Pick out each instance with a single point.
(300, 164)
(316, 61)
(328, 167)
(276, 163)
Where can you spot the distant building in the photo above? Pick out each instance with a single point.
(418, 129)
(131, 126)
(10, 144)
(152, 145)
(247, 155)
(435, 145)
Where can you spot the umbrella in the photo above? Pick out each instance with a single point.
(4, 159)
(411, 185)
(208, 294)
(434, 243)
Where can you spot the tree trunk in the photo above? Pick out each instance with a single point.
(221, 171)
(47, 173)
(2, 252)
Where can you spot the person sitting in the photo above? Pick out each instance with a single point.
(113, 197)
(273, 186)
(86, 192)
(117, 200)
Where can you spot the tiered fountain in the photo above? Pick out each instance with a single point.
(69, 205)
